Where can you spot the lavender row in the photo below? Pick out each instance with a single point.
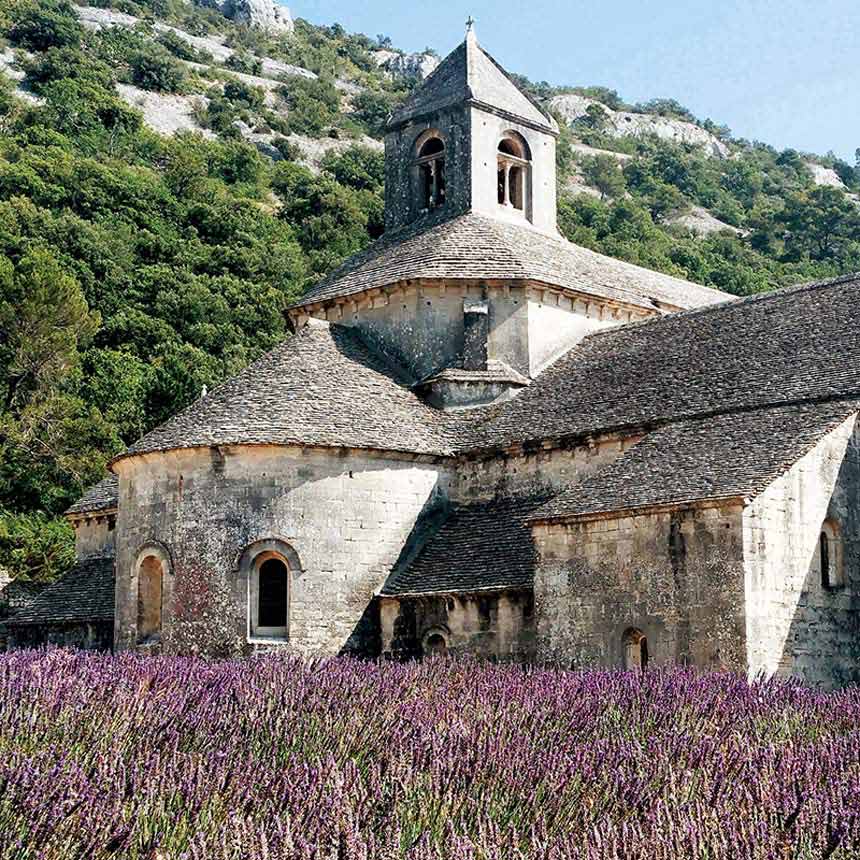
(163, 758)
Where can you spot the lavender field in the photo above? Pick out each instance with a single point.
(157, 758)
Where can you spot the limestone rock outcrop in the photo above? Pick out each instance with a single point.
(265, 15)
(268, 15)
(822, 175)
(627, 124)
(416, 66)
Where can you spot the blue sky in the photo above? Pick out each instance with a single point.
(787, 73)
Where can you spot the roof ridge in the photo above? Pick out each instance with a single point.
(740, 409)
(732, 302)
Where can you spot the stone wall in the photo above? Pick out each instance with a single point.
(14, 595)
(795, 625)
(487, 129)
(496, 625)
(93, 636)
(345, 514)
(676, 576)
(402, 198)
(94, 534)
(471, 137)
(420, 324)
(532, 473)
(557, 322)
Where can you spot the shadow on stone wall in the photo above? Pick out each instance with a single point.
(822, 642)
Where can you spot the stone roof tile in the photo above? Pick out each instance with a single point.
(478, 247)
(470, 73)
(103, 496)
(789, 346)
(323, 386)
(735, 455)
(85, 593)
(480, 546)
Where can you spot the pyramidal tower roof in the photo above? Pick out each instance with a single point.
(470, 74)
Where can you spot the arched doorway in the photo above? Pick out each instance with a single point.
(635, 650)
(435, 642)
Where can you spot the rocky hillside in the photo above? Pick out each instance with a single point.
(173, 173)
(574, 108)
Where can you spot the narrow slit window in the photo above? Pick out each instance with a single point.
(830, 564)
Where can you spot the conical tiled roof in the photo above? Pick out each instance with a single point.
(469, 73)
(324, 386)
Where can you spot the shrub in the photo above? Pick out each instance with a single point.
(244, 95)
(46, 24)
(154, 69)
(288, 150)
(57, 64)
(313, 104)
(181, 49)
(243, 62)
(276, 122)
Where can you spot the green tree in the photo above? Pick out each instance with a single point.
(34, 546)
(372, 110)
(46, 24)
(595, 117)
(603, 173)
(51, 443)
(330, 221)
(358, 167)
(43, 320)
(822, 224)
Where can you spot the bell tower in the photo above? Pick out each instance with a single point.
(469, 140)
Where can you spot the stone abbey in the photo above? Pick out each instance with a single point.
(482, 438)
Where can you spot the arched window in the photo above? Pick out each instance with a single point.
(267, 569)
(830, 556)
(150, 586)
(435, 642)
(270, 595)
(513, 166)
(635, 647)
(431, 173)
